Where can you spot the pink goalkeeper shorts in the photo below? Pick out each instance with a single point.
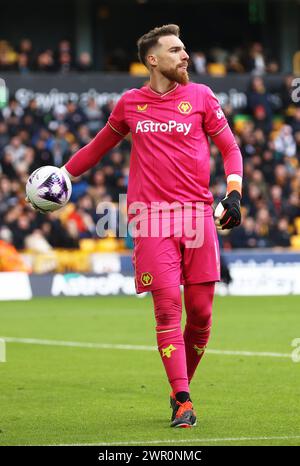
(162, 262)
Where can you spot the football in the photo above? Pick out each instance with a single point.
(219, 210)
(48, 188)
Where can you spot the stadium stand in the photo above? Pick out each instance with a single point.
(30, 138)
(26, 57)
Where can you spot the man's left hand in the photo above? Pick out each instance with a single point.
(231, 216)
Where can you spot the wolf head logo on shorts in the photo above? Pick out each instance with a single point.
(146, 278)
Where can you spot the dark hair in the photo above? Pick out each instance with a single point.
(151, 39)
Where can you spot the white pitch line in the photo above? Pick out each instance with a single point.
(250, 353)
(176, 441)
(79, 344)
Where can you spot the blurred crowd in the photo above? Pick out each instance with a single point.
(31, 137)
(252, 59)
(270, 144)
(216, 61)
(24, 58)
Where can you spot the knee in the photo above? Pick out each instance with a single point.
(200, 317)
(167, 307)
(199, 308)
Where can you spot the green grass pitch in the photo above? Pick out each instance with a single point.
(53, 395)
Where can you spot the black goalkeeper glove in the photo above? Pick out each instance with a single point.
(231, 216)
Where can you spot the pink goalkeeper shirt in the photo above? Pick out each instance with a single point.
(170, 156)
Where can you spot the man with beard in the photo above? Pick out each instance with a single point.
(170, 121)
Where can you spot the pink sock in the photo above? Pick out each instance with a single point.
(168, 309)
(198, 302)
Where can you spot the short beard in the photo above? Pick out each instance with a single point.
(181, 77)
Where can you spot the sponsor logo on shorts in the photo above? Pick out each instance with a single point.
(142, 108)
(167, 352)
(185, 107)
(146, 278)
(148, 126)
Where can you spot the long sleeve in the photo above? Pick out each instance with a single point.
(92, 153)
(232, 158)
(114, 131)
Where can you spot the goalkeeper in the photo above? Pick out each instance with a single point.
(170, 121)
